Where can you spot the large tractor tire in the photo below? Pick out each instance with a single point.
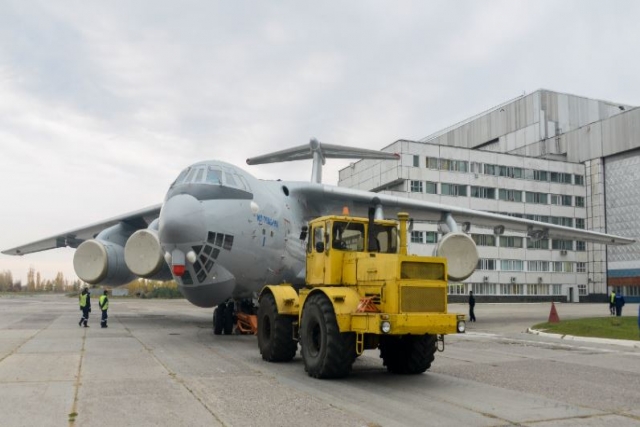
(408, 354)
(275, 332)
(326, 352)
(218, 319)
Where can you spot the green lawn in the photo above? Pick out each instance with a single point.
(621, 328)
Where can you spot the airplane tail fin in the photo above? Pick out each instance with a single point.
(319, 153)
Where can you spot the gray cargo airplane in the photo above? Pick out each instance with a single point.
(222, 234)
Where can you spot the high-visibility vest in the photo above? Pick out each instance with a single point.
(104, 302)
(83, 300)
(613, 297)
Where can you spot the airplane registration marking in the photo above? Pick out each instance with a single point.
(263, 219)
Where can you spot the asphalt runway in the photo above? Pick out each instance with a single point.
(158, 364)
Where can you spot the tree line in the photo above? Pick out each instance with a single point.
(36, 283)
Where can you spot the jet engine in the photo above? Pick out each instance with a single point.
(461, 253)
(101, 260)
(144, 256)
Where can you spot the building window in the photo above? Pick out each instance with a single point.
(416, 186)
(560, 200)
(431, 237)
(582, 290)
(562, 220)
(562, 267)
(537, 289)
(564, 178)
(581, 267)
(579, 202)
(578, 179)
(416, 237)
(539, 218)
(511, 289)
(486, 264)
(563, 245)
(432, 162)
(484, 239)
(491, 169)
(537, 265)
(416, 161)
(457, 288)
(510, 242)
(484, 288)
(483, 192)
(580, 223)
(540, 175)
(510, 195)
(581, 246)
(538, 244)
(556, 289)
(453, 189)
(511, 265)
(475, 167)
(431, 187)
(511, 172)
(540, 198)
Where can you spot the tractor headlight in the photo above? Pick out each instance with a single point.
(385, 327)
(462, 326)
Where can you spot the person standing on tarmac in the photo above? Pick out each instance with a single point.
(619, 303)
(472, 304)
(612, 303)
(103, 302)
(85, 306)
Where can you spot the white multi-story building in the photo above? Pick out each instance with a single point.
(545, 156)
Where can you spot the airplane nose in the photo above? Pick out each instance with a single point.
(182, 220)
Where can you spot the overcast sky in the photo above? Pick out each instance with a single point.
(102, 103)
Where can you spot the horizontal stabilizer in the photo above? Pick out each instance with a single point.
(319, 152)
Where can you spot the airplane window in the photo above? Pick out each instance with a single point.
(190, 176)
(243, 183)
(230, 180)
(199, 175)
(214, 176)
(180, 177)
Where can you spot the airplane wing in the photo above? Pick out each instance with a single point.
(330, 199)
(73, 238)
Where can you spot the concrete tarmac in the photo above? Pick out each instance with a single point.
(158, 364)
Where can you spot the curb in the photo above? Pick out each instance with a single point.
(626, 343)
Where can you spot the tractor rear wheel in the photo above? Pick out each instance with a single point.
(218, 319)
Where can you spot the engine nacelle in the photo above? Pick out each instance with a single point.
(461, 253)
(101, 260)
(98, 261)
(144, 256)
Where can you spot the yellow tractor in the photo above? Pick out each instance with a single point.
(363, 291)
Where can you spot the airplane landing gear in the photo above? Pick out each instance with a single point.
(223, 319)
(240, 314)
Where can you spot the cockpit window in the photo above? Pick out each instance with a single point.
(214, 176)
(199, 175)
(190, 176)
(230, 180)
(180, 177)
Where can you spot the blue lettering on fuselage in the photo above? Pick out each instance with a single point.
(263, 219)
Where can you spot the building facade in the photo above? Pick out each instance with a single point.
(546, 156)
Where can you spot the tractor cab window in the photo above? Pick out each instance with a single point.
(386, 239)
(348, 236)
(316, 241)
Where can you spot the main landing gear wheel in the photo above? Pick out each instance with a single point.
(326, 352)
(223, 319)
(275, 332)
(408, 354)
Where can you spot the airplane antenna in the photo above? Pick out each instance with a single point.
(319, 152)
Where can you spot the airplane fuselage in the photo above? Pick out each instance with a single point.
(237, 234)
